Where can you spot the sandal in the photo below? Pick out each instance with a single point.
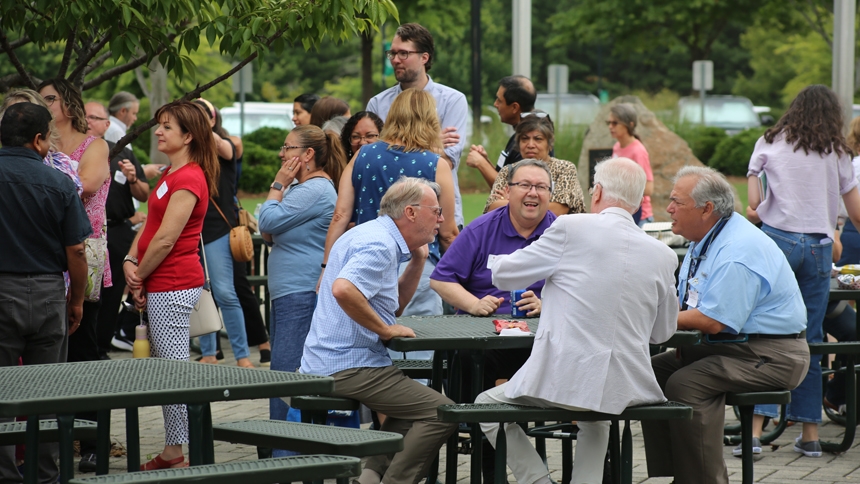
(159, 463)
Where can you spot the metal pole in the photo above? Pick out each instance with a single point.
(702, 90)
(843, 56)
(522, 38)
(476, 67)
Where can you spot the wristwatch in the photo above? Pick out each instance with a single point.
(277, 186)
(130, 258)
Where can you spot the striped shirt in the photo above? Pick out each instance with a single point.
(369, 257)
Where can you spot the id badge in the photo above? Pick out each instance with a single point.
(692, 298)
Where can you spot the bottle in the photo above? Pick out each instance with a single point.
(140, 349)
(257, 211)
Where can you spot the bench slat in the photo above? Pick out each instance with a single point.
(309, 438)
(283, 469)
(758, 398)
(492, 412)
(316, 402)
(14, 433)
(839, 348)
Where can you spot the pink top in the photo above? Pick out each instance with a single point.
(803, 190)
(95, 205)
(636, 151)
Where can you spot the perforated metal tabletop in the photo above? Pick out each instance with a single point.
(98, 385)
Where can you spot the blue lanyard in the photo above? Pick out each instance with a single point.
(694, 261)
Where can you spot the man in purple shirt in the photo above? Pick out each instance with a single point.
(463, 278)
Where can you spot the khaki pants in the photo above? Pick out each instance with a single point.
(410, 408)
(700, 376)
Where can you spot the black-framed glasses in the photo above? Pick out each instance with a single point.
(526, 187)
(437, 211)
(401, 54)
(49, 99)
(91, 117)
(288, 147)
(370, 137)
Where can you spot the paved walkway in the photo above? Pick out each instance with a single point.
(779, 464)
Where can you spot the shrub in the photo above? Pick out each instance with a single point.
(266, 137)
(703, 140)
(141, 155)
(732, 155)
(259, 166)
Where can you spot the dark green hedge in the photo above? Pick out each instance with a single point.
(268, 138)
(732, 155)
(703, 140)
(259, 165)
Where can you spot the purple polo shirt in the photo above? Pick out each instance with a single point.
(466, 262)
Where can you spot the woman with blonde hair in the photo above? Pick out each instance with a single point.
(163, 265)
(409, 145)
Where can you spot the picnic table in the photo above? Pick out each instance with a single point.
(66, 388)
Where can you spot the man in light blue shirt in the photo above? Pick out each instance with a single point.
(737, 287)
(412, 54)
(360, 298)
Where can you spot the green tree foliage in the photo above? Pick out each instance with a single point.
(126, 34)
(732, 154)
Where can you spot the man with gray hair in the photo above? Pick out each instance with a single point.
(359, 299)
(608, 295)
(123, 107)
(737, 287)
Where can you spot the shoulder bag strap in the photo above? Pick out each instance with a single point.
(219, 211)
(205, 264)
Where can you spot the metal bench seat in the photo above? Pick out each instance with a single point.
(14, 433)
(264, 471)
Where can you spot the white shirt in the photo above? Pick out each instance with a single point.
(116, 130)
(609, 293)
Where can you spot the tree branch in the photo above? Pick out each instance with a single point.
(816, 24)
(4, 43)
(67, 53)
(83, 60)
(17, 43)
(115, 71)
(97, 62)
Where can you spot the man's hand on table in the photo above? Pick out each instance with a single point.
(529, 303)
(486, 306)
(398, 331)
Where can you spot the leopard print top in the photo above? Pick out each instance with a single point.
(565, 185)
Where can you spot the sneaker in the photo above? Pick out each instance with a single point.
(87, 463)
(265, 357)
(122, 343)
(756, 448)
(809, 449)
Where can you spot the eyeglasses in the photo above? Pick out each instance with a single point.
(591, 190)
(437, 211)
(526, 187)
(49, 99)
(401, 54)
(537, 114)
(357, 138)
(288, 147)
(612, 123)
(95, 118)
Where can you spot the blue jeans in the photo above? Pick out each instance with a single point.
(850, 245)
(220, 261)
(291, 321)
(810, 260)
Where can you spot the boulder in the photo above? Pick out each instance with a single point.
(668, 152)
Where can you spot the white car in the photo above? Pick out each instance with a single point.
(572, 108)
(257, 115)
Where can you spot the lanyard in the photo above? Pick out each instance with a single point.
(694, 261)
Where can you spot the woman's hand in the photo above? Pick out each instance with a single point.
(134, 282)
(288, 172)
(139, 297)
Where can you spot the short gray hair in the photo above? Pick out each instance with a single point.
(405, 192)
(528, 162)
(121, 100)
(622, 181)
(711, 186)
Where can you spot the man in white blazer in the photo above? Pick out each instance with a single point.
(609, 293)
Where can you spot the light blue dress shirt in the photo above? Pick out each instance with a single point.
(368, 256)
(744, 282)
(453, 110)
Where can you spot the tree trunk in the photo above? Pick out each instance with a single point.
(367, 88)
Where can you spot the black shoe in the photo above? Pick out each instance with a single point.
(265, 357)
(88, 463)
(121, 342)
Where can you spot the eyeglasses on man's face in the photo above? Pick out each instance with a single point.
(526, 187)
(401, 54)
(91, 117)
(370, 137)
(437, 211)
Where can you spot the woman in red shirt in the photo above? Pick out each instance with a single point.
(622, 126)
(168, 278)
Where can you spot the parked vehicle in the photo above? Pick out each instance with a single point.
(731, 113)
(257, 115)
(572, 108)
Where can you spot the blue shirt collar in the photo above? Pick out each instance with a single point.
(394, 232)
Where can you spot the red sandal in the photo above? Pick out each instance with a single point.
(159, 463)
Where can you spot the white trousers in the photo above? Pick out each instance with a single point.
(523, 459)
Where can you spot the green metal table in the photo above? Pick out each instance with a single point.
(67, 388)
(445, 333)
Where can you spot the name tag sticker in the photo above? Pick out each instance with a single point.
(119, 177)
(490, 259)
(503, 156)
(693, 298)
(161, 190)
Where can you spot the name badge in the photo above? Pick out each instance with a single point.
(119, 177)
(490, 259)
(161, 190)
(503, 156)
(692, 298)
